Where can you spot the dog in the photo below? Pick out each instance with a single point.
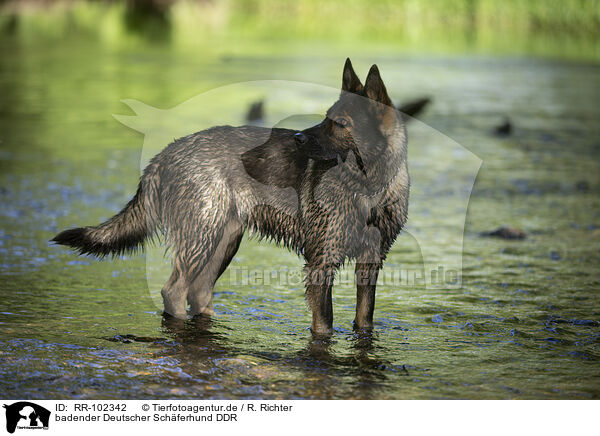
(334, 192)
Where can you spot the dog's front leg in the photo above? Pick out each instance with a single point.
(366, 272)
(319, 282)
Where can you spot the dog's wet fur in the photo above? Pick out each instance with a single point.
(334, 192)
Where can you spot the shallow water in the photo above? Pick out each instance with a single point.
(524, 324)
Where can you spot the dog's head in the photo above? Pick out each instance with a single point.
(360, 129)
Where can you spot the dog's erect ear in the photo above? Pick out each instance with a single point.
(350, 81)
(374, 87)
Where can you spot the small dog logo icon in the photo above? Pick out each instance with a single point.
(26, 415)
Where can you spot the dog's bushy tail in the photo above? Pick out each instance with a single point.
(124, 232)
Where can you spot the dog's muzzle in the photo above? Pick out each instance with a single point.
(309, 144)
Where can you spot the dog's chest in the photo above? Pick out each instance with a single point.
(337, 217)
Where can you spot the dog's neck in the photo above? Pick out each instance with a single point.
(372, 173)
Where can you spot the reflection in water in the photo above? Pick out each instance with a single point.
(195, 343)
(149, 19)
(363, 366)
(188, 330)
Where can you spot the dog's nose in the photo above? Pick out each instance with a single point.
(300, 138)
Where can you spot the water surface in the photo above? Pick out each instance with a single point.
(525, 324)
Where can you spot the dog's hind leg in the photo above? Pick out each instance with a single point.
(235, 240)
(194, 265)
(201, 288)
(175, 291)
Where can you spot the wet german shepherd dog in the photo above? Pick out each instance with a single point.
(334, 192)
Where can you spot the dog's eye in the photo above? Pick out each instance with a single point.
(342, 122)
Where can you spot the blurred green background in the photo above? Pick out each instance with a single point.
(550, 28)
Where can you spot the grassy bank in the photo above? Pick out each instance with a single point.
(550, 28)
